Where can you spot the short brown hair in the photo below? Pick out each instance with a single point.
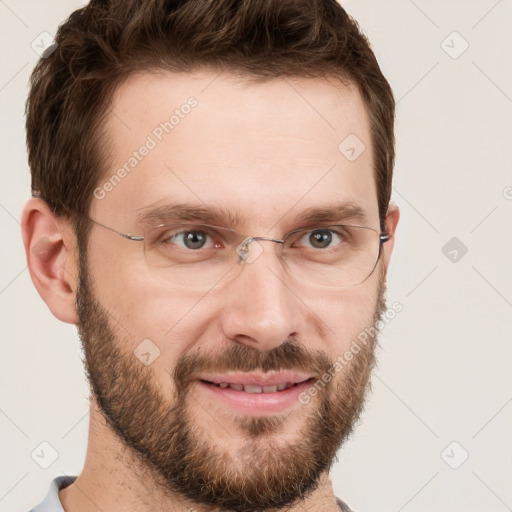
(101, 44)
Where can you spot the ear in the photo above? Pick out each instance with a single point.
(391, 222)
(51, 253)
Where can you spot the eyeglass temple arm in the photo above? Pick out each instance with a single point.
(128, 237)
(384, 236)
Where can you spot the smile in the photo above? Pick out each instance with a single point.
(249, 388)
(262, 396)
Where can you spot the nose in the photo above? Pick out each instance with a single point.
(262, 310)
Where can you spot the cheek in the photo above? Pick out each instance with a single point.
(157, 318)
(345, 314)
(138, 301)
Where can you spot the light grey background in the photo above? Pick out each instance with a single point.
(444, 372)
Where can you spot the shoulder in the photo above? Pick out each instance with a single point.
(51, 502)
(343, 506)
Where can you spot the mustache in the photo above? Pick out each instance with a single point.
(289, 355)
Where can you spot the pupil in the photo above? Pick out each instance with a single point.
(194, 239)
(320, 239)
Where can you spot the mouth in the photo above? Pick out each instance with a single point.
(249, 388)
(256, 395)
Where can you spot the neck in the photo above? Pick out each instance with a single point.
(113, 479)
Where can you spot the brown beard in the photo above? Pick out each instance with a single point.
(176, 453)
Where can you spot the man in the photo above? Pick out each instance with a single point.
(211, 208)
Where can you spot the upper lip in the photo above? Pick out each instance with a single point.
(258, 379)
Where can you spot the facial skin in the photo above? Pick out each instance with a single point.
(262, 151)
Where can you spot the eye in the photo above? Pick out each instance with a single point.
(320, 239)
(193, 239)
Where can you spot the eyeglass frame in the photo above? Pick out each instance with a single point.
(242, 248)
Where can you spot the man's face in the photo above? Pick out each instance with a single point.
(264, 153)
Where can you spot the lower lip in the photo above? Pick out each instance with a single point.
(256, 404)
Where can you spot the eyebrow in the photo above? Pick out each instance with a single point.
(331, 213)
(200, 213)
(170, 213)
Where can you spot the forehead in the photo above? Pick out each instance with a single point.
(259, 150)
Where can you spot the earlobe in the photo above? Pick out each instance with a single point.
(50, 249)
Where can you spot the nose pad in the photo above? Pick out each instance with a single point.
(248, 253)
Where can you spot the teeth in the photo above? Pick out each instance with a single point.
(252, 389)
(249, 388)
